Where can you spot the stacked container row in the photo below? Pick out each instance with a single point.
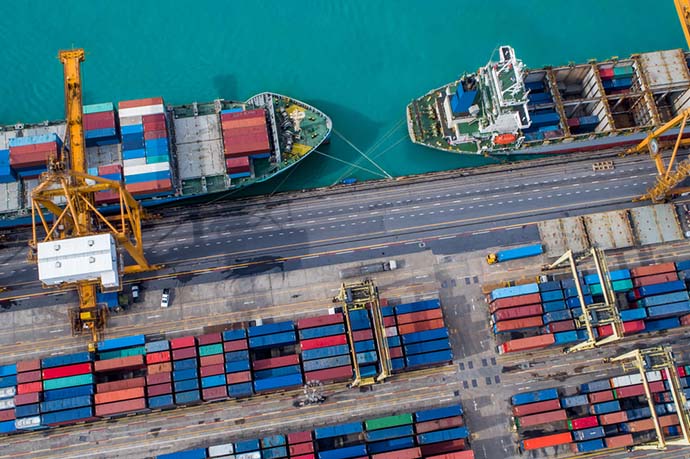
(324, 348)
(424, 337)
(99, 125)
(275, 361)
(245, 136)
(28, 156)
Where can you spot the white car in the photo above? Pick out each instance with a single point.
(165, 298)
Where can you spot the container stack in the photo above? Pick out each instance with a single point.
(616, 79)
(425, 338)
(212, 367)
(251, 449)
(7, 174)
(391, 437)
(245, 136)
(301, 445)
(325, 352)
(583, 124)
(159, 393)
(99, 125)
(274, 447)
(120, 369)
(110, 172)
(68, 388)
(363, 342)
(29, 155)
(185, 370)
(441, 433)
(238, 375)
(392, 336)
(275, 361)
(8, 391)
(145, 147)
(546, 124)
(341, 441)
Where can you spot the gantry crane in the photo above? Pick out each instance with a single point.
(659, 358)
(668, 179)
(596, 314)
(363, 295)
(67, 192)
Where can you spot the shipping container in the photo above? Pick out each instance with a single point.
(417, 306)
(427, 346)
(122, 407)
(66, 404)
(613, 418)
(524, 344)
(517, 324)
(438, 413)
(430, 358)
(61, 383)
(279, 382)
(273, 340)
(186, 398)
(323, 352)
(535, 396)
(515, 301)
(546, 441)
(538, 407)
(330, 374)
(517, 290)
(619, 441)
(439, 424)
(62, 360)
(119, 395)
(320, 321)
(276, 362)
(653, 269)
(323, 342)
(588, 434)
(320, 332)
(119, 364)
(199, 453)
(67, 416)
(121, 343)
(356, 451)
(443, 435)
(517, 312)
(390, 445)
(328, 362)
(70, 370)
(540, 418)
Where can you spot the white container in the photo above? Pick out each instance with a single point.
(6, 392)
(133, 162)
(6, 404)
(221, 450)
(145, 168)
(27, 423)
(141, 111)
(391, 331)
(130, 120)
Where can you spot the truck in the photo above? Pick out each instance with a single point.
(514, 254)
(371, 268)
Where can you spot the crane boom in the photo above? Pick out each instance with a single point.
(683, 10)
(71, 62)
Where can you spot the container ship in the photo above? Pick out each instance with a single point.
(166, 154)
(505, 108)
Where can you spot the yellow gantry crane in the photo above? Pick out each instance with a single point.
(66, 193)
(669, 178)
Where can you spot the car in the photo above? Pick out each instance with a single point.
(165, 298)
(135, 293)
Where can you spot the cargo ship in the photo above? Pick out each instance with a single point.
(505, 108)
(166, 154)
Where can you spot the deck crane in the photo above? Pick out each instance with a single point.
(658, 358)
(668, 179)
(81, 247)
(363, 295)
(596, 314)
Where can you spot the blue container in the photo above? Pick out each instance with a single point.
(24, 411)
(185, 364)
(672, 309)
(344, 453)
(390, 445)
(658, 289)
(392, 432)
(240, 390)
(147, 177)
(236, 356)
(545, 118)
(279, 382)
(557, 316)
(121, 343)
(275, 340)
(320, 332)
(417, 306)
(551, 295)
(59, 417)
(323, 352)
(426, 335)
(365, 346)
(606, 407)
(270, 329)
(590, 445)
(182, 375)
(8, 381)
(186, 385)
(337, 431)
(34, 140)
(595, 386)
(438, 413)
(666, 298)
(387, 311)
(520, 252)
(69, 359)
(66, 403)
(247, 446)
(234, 335)
(633, 314)
(536, 98)
(575, 302)
(234, 367)
(31, 172)
(393, 341)
(161, 401)
(662, 324)
(328, 362)
(199, 453)
(430, 358)
(7, 427)
(364, 358)
(367, 371)
(92, 134)
(535, 396)
(588, 434)
(517, 290)
(682, 265)
(8, 370)
(455, 433)
(427, 346)
(398, 364)
(552, 306)
(566, 337)
(132, 129)
(213, 381)
(157, 346)
(574, 400)
(117, 178)
(274, 453)
(182, 398)
(238, 175)
(273, 441)
(273, 372)
(68, 392)
(572, 291)
(231, 110)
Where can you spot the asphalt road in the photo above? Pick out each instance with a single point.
(452, 214)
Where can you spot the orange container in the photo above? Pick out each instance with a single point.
(653, 269)
(524, 344)
(420, 326)
(159, 368)
(120, 385)
(123, 363)
(126, 406)
(158, 357)
(419, 316)
(119, 395)
(140, 102)
(619, 441)
(546, 441)
(613, 418)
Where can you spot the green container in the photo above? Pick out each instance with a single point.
(70, 381)
(389, 421)
(122, 353)
(623, 285)
(595, 289)
(98, 108)
(623, 71)
(157, 159)
(210, 349)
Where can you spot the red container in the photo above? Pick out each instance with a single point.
(299, 437)
(153, 186)
(653, 269)
(155, 126)
(563, 325)
(518, 312)
(126, 406)
(362, 335)
(152, 119)
(28, 365)
(599, 397)
(606, 74)
(109, 169)
(613, 418)
(275, 362)
(310, 456)
(330, 374)
(69, 370)
(158, 378)
(158, 357)
(214, 393)
(685, 320)
(27, 399)
(513, 301)
(420, 316)
(389, 321)
(159, 368)
(140, 102)
(584, 423)
(231, 346)
(259, 112)
(547, 440)
(681, 371)
(101, 120)
(211, 338)
(638, 389)
(641, 425)
(239, 377)
(28, 158)
(7, 415)
(668, 420)
(240, 164)
(467, 454)
(409, 453)
(118, 395)
(210, 360)
(28, 388)
(159, 389)
(619, 441)
(395, 352)
(518, 324)
(320, 321)
(524, 344)
(106, 197)
(420, 326)
(439, 424)
(123, 363)
(29, 376)
(121, 384)
(633, 326)
(182, 354)
(443, 447)
(303, 448)
(327, 341)
(212, 370)
(655, 279)
(157, 134)
(542, 418)
(538, 407)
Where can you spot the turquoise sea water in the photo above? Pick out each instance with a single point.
(360, 61)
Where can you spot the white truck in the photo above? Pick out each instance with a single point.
(367, 269)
